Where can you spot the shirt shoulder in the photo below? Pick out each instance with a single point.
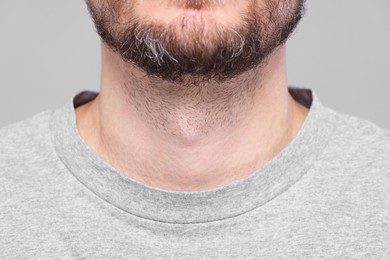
(25, 136)
(357, 144)
(362, 138)
(25, 147)
(355, 165)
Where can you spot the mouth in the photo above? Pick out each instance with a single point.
(197, 4)
(193, 5)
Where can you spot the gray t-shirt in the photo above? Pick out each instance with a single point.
(324, 196)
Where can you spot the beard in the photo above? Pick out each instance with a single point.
(187, 48)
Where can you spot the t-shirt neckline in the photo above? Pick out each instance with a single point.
(230, 200)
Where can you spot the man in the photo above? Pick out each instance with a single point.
(195, 147)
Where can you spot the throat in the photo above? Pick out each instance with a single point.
(197, 125)
(190, 115)
(191, 130)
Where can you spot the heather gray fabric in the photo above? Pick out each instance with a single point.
(325, 196)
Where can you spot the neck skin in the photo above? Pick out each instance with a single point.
(190, 139)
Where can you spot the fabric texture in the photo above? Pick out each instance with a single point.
(326, 195)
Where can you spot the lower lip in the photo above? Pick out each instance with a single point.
(195, 5)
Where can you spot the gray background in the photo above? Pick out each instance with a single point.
(49, 52)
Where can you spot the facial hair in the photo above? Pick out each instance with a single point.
(160, 51)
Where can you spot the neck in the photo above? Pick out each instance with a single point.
(190, 137)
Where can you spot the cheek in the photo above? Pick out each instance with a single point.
(114, 12)
(98, 5)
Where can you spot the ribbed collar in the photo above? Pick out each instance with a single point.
(227, 201)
